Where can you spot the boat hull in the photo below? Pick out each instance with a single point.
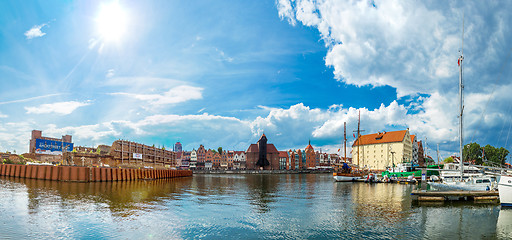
(505, 191)
(346, 178)
(458, 186)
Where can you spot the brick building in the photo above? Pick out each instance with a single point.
(310, 157)
(51, 146)
(253, 154)
(135, 153)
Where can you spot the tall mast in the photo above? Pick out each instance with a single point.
(461, 105)
(358, 137)
(345, 140)
(438, 153)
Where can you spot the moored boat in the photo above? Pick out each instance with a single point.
(346, 177)
(505, 190)
(483, 183)
(346, 173)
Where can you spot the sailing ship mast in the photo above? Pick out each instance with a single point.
(358, 136)
(461, 104)
(345, 140)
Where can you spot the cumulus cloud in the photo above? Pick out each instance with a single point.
(174, 95)
(35, 31)
(411, 46)
(63, 108)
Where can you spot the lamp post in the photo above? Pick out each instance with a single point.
(393, 160)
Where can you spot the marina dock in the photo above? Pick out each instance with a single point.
(437, 196)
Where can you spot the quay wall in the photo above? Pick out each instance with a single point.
(87, 174)
(202, 171)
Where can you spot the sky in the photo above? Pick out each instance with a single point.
(221, 73)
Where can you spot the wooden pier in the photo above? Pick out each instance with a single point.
(439, 196)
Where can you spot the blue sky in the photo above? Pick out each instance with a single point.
(220, 73)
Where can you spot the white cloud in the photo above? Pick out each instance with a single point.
(223, 56)
(63, 108)
(174, 95)
(383, 45)
(35, 31)
(96, 132)
(110, 73)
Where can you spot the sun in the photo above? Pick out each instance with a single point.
(112, 22)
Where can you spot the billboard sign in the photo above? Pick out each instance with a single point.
(137, 155)
(52, 147)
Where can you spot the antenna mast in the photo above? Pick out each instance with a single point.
(461, 105)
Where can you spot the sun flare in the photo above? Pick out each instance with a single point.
(112, 22)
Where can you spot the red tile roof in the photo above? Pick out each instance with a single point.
(270, 148)
(283, 154)
(253, 148)
(383, 137)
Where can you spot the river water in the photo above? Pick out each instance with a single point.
(294, 206)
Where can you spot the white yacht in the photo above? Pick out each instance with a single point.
(505, 190)
(480, 183)
(451, 172)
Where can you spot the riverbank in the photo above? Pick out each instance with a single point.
(261, 171)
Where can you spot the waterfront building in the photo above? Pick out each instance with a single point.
(224, 160)
(178, 147)
(229, 157)
(209, 159)
(310, 157)
(256, 154)
(49, 146)
(421, 154)
(178, 158)
(239, 160)
(185, 159)
(193, 159)
(283, 159)
(378, 151)
(101, 149)
(201, 154)
(208, 165)
(294, 160)
(324, 159)
(343, 159)
(136, 153)
(201, 157)
(303, 161)
(216, 158)
(414, 149)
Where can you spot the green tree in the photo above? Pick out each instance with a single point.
(448, 160)
(429, 160)
(472, 152)
(214, 151)
(494, 156)
(220, 150)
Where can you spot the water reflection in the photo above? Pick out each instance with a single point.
(504, 225)
(236, 206)
(118, 196)
(262, 190)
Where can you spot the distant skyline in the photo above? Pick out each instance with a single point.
(220, 73)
